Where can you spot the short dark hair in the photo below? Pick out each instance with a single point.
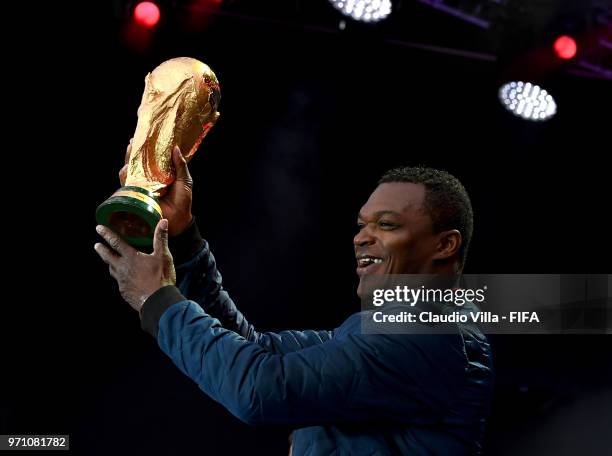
(446, 201)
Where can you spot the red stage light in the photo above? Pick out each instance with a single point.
(146, 14)
(565, 47)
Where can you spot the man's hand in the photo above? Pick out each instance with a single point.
(176, 203)
(139, 275)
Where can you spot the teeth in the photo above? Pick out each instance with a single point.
(366, 261)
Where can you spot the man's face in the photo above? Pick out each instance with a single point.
(395, 234)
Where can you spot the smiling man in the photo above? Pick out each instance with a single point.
(344, 392)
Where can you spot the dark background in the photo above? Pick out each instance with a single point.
(310, 118)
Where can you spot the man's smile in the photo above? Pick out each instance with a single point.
(367, 263)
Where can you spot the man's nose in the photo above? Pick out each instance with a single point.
(363, 237)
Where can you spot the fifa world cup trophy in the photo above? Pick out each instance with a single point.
(179, 106)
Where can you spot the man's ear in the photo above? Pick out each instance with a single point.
(449, 243)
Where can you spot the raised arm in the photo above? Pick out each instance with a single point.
(351, 378)
(196, 271)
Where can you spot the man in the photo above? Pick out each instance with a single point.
(345, 392)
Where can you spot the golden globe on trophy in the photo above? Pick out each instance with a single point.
(179, 106)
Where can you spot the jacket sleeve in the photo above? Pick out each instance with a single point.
(361, 378)
(199, 280)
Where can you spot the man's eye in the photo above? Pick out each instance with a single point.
(360, 225)
(386, 225)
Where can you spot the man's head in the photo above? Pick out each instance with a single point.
(417, 221)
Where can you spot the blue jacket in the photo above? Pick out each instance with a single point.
(345, 392)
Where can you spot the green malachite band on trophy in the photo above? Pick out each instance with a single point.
(133, 213)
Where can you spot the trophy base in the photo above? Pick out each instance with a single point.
(132, 213)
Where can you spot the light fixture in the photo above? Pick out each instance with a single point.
(364, 10)
(527, 100)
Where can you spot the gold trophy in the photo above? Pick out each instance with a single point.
(178, 107)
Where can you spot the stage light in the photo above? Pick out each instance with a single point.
(565, 47)
(364, 10)
(527, 100)
(147, 14)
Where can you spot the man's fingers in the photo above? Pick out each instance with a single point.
(114, 241)
(180, 165)
(128, 151)
(123, 174)
(124, 169)
(107, 255)
(160, 238)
